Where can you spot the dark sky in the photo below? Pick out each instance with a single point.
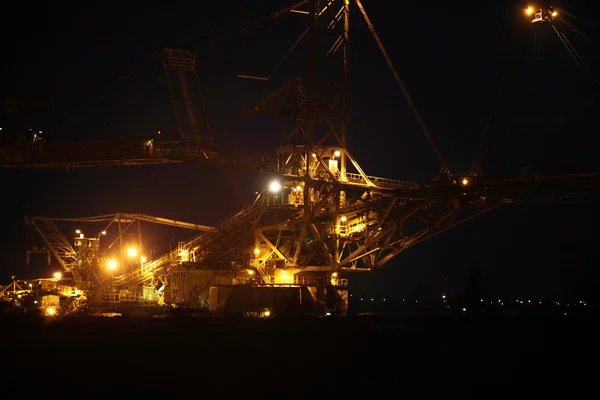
(98, 63)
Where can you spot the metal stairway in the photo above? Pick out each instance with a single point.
(227, 232)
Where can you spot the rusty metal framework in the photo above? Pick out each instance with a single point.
(58, 244)
(334, 218)
(215, 246)
(182, 64)
(87, 261)
(323, 217)
(323, 213)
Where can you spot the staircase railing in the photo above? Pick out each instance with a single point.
(145, 271)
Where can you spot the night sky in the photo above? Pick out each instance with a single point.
(99, 63)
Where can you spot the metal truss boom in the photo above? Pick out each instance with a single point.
(137, 217)
(82, 259)
(325, 214)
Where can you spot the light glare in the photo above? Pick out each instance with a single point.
(275, 186)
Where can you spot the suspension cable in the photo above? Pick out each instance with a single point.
(502, 80)
(244, 9)
(258, 23)
(291, 49)
(574, 54)
(488, 131)
(561, 12)
(579, 32)
(388, 60)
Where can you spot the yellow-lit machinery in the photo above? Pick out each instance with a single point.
(94, 268)
(541, 14)
(48, 297)
(319, 217)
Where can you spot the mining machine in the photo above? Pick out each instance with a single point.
(107, 273)
(322, 214)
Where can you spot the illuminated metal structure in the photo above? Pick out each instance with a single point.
(551, 16)
(322, 214)
(546, 14)
(183, 64)
(95, 268)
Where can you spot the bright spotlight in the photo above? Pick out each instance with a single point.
(465, 181)
(78, 231)
(529, 10)
(50, 311)
(131, 252)
(275, 186)
(57, 275)
(143, 259)
(112, 264)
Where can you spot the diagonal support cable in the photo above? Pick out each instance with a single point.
(388, 60)
(579, 32)
(574, 54)
(259, 22)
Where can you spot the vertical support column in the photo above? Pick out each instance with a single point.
(312, 63)
(341, 194)
(121, 250)
(344, 88)
(140, 249)
(310, 95)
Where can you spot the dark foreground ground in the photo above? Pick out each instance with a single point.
(361, 357)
